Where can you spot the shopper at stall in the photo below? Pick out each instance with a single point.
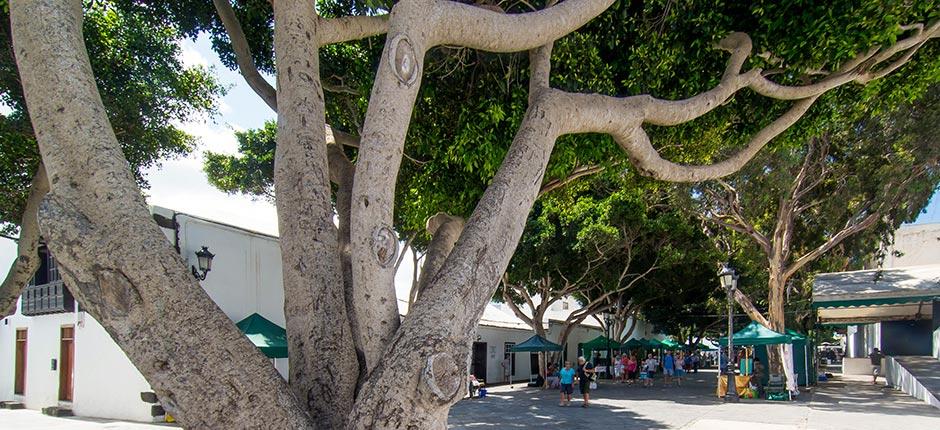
(585, 373)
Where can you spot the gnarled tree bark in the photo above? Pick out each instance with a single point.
(205, 372)
(119, 264)
(27, 247)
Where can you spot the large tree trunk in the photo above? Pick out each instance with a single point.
(427, 361)
(373, 242)
(444, 230)
(27, 247)
(118, 263)
(776, 303)
(323, 364)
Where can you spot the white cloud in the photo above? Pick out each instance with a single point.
(212, 137)
(190, 56)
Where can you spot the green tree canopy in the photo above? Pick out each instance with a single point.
(146, 90)
(829, 205)
(471, 103)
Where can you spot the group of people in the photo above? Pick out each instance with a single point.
(584, 376)
(628, 369)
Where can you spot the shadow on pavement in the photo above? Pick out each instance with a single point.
(613, 404)
(858, 396)
(533, 408)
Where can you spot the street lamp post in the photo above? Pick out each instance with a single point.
(729, 281)
(608, 319)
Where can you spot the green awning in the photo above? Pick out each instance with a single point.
(877, 301)
(670, 344)
(600, 343)
(655, 343)
(270, 338)
(536, 344)
(634, 344)
(756, 334)
(795, 335)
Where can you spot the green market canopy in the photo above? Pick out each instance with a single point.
(536, 344)
(270, 338)
(795, 336)
(654, 344)
(866, 296)
(634, 344)
(598, 344)
(670, 344)
(756, 334)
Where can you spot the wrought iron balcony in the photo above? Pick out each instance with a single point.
(49, 298)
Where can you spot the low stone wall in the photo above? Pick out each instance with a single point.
(860, 366)
(901, 379)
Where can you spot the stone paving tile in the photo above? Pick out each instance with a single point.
(848, 404)
(842, 404)
(26, 419)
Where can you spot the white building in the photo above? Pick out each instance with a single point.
(904, 277)
(916, 245)
(61, 356)
(54, 354)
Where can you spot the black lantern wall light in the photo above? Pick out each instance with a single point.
(204, 260)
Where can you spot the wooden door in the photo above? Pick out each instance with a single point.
(66, 363)
(478, 360)
(19, 380)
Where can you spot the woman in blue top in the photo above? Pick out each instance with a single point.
(566, 379)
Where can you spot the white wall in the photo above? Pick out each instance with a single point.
(245, 279)
(495, 338)
(919, 244)
(246, 270)
(42, 345)
(106, 382)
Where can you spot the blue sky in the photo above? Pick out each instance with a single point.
(181, 185)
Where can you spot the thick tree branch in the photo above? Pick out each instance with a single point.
(27, 247)
(478, 28)
(348, 28)
(749, 308)
(576, 174)
(444, 230)
(617, 117)
(470, 273)
(540, 64)
(510, 301)
(845, 233)
(246, 65)
(323, 363)
(623, 117)
(94, 207)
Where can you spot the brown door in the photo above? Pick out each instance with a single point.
(19, 381)
(66, 362)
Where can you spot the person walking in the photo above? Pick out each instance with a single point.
(585, 373)
(669, 368)
(696, 361)
(680, 363)
(631, 369)
(618, 368)
(624, 373)
(566, 379)
(875, 358)
(649, 367)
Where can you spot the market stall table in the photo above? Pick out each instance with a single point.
(741, 382)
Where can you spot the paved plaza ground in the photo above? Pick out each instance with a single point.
(841, 404)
